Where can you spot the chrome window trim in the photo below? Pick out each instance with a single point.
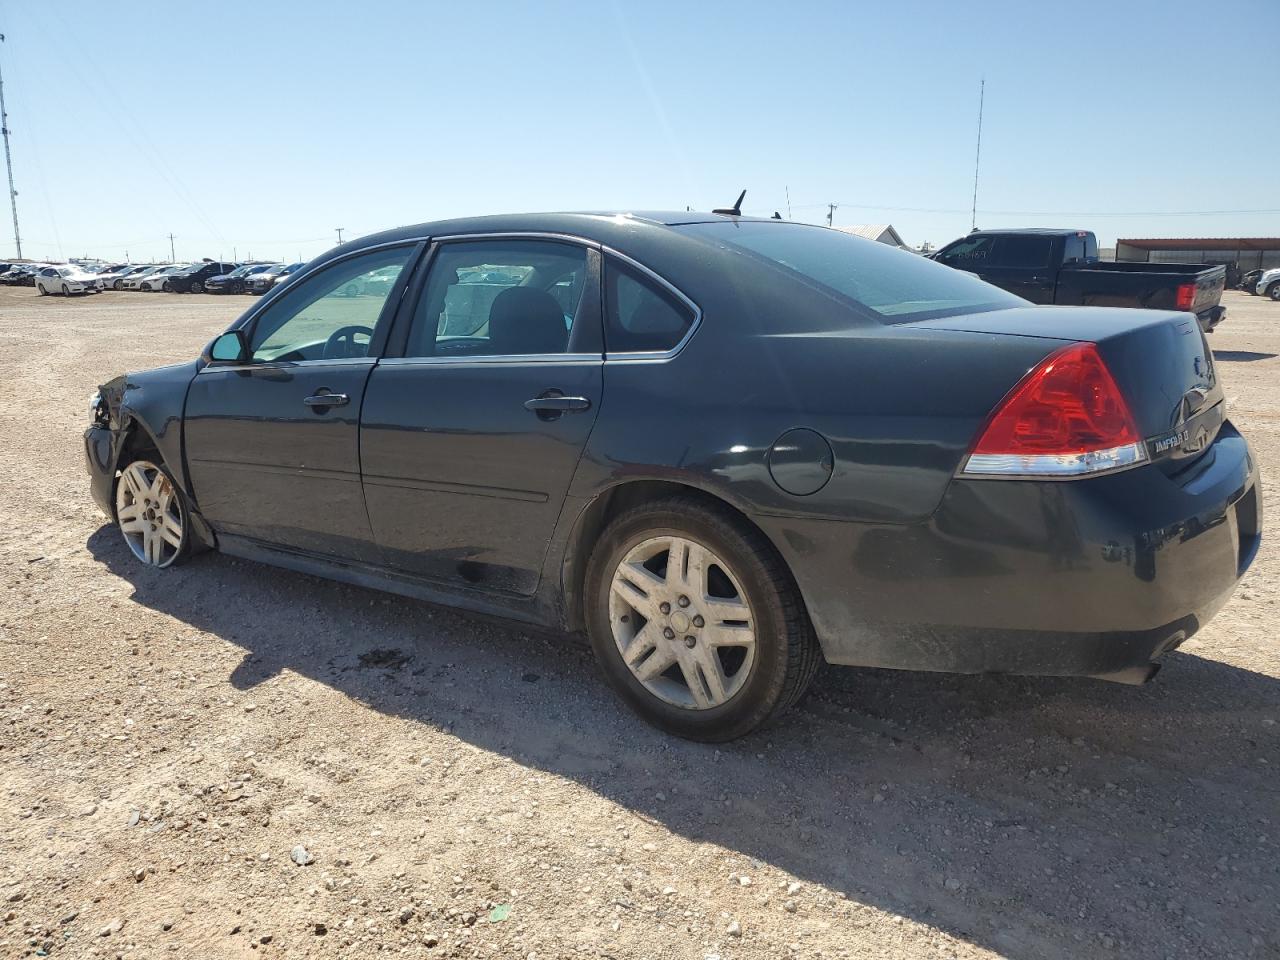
(670, 288)
(216, 367)
(519, 235)
(575, 358)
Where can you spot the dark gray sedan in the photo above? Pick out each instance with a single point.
(725, 448)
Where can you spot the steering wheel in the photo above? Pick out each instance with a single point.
(342, 345)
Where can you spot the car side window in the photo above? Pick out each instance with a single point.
(972, 251)
(1024, 252)
(332, 314)
(640, 315)
(500, 298)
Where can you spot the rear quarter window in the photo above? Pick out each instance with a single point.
(642, 316)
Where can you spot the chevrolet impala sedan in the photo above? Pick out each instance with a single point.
(725, 448)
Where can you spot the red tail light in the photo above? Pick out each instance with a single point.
(1066, 418)
(1186, 295)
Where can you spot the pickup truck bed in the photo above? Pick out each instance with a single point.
(1062, 267)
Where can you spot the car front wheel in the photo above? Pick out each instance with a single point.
(1273, 291)
(196, 287)
(696, 622)
(152, 515)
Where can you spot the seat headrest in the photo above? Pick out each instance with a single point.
(524, 321)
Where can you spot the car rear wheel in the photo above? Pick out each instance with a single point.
(152, 515)
(695, 621)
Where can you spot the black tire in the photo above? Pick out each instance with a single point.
(43, 291)
(1273, 291)
(195, 286)
(787, 653)
(237, 286)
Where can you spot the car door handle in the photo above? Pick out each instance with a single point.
(323, 398)
(557, 404)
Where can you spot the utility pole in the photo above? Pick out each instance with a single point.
(788, 189)
(340, 229)
(8, 162)
(982, 92)
(831, 212)
(172, 257)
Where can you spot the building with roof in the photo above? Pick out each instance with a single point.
(882, 232)
(1250, 253)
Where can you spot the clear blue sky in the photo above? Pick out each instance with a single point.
(263, 126)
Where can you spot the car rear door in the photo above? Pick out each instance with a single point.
(471, 435)
(272, 444)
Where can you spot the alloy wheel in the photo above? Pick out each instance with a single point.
(196, 287)
(150, 514)
(682, 622)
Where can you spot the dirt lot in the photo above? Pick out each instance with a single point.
(465, 789)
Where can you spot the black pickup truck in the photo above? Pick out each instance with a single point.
(1062, 266)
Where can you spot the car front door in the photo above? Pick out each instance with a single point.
(470, 437)
(272, 443)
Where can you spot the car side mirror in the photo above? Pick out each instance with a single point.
(229, 348)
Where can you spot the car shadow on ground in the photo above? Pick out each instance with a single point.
(1032, 817)
(1241, 356)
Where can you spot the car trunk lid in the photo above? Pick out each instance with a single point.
(1161, 362)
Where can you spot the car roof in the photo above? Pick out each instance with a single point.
(1033, 231)
(598, 225)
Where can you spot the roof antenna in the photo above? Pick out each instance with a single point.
(776, 215)
(737, 207)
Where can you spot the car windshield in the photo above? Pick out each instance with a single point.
(894, 286)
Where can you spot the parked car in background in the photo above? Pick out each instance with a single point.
(1062, 266)
(192, 278)
(1249, 281)
(234, 282)
(376, 284)
(155, 282)
(724, 447)
(66, 279)
(260, 283)
(110, 276)
(1268, 284)
(133, 281)
(21, 275)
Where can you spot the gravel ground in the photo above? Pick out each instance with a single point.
(176, 742)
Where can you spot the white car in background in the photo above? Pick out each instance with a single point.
(133, 280)
(66, 279)
(111, 278)
(1269, 284)
(154, 282)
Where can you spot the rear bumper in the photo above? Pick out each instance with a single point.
(1090, 577)
(1211, 318)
